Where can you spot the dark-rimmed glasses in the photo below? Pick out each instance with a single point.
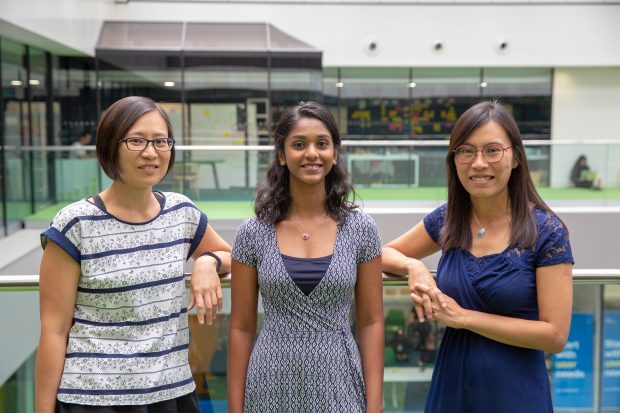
(492, 153)
(140, 144)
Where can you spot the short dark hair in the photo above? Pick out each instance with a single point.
(114, 125)
(273, 197)
(521, 190)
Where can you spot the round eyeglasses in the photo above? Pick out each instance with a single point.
(140, 144)
(492, 153)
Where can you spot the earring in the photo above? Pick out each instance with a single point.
(282, 163)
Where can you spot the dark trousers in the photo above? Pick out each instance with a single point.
(184, 404)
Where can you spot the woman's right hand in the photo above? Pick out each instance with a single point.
(423, 301)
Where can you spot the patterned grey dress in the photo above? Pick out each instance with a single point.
(305, 358)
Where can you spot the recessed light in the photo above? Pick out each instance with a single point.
(339, 84)
(484, 84)
(412, 84)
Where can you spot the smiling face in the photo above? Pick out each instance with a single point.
(480, 178)
(144, 168)
(309, 152)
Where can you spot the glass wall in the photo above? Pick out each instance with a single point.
(218, 97)
(584, 377)
(15, 112)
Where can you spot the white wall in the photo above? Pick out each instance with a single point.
(539, 35)
(74, 23)
(586, 106)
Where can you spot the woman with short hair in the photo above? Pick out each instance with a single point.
(114, 327)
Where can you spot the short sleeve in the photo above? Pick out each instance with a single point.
(243, 249)
(553, 245)
(434, 221)
(201, 221)
(369, 242)
(65, 232)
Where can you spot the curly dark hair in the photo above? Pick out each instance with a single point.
(273, 197)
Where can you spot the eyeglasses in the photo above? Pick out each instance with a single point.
(140, 144)
(492, 153)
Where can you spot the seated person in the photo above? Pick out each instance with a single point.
(582, 176)
(80, 152)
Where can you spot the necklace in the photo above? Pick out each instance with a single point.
(306, 235)
(482, 231)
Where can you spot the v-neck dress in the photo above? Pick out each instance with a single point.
(305, 358)
(477, 374)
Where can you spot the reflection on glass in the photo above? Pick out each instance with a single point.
(16, 178)
(376, 101)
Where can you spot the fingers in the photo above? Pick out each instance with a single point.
(419, 309)
(208, 304)
(200, 308)
(219, 298)
(192, 301)
(434, 293)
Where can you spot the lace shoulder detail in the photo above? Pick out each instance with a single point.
(552, 246)
(434, 221)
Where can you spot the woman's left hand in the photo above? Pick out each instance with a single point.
(450, 313)
(205, 291)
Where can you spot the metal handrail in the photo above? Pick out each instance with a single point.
(346, 142)
(580, 277)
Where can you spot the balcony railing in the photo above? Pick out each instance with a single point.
(588, 384)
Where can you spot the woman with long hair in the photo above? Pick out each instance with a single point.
(308, 251)
(114, 327)
(504, 286)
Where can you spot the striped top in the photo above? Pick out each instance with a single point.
(128, 344)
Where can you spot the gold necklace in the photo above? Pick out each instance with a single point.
(306, 235)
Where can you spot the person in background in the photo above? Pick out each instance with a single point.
(308, 251)
(80, 152)
(582, 176)
(113, 302)
(504, 280)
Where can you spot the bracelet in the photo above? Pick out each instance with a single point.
(215, 257)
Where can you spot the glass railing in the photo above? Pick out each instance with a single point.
(385, 173)
(585, 377)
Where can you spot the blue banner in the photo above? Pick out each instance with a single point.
(572, 368)
(611, 360)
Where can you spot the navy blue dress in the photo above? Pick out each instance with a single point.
(477, 374)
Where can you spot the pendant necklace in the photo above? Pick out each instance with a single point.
(482, 231)
(306, 235)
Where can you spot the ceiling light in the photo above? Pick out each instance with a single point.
(34, 82)
(16, 82)
(412, 84)
(339, 84)
(169, 84)
(484, 84)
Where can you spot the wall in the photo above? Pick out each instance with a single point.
(539, 35)
(72, 23)
(585, 107)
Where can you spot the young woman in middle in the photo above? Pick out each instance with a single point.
(307, 251)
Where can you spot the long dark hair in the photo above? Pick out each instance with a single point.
(575, 174)
(521, 191)
(273, 197)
